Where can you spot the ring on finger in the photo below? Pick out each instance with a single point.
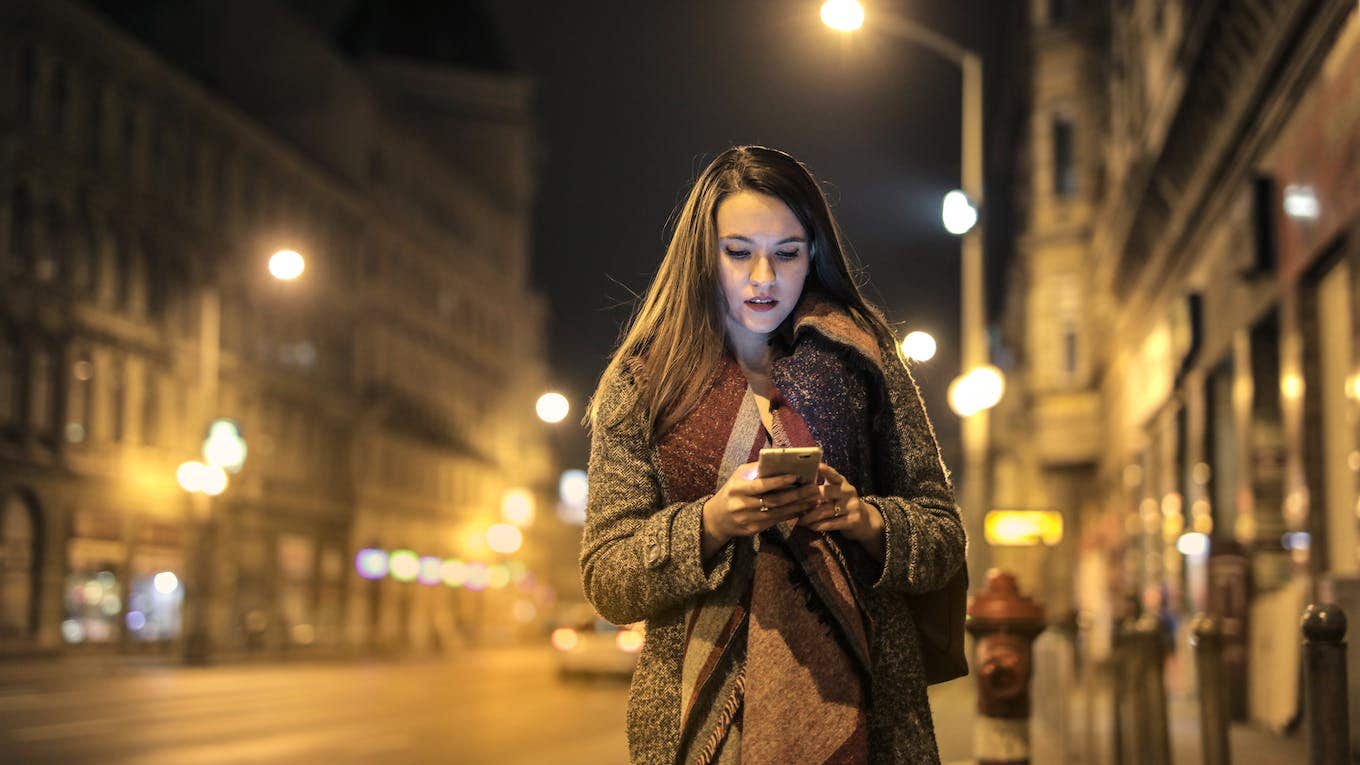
(764, 508)
(838, 512)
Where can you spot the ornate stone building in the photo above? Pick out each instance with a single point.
(1185, 319)
(151, 160)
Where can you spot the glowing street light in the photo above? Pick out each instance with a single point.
(919, 346)
(517, 507)
(224, 446)
(958, 213)
(286, 265)
(504, 538)
(552, 407)
(198, 478)
(978, 390)
(843, 15)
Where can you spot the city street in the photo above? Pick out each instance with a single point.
(503, 706)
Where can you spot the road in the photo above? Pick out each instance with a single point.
(489, 707)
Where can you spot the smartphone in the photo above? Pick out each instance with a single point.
(801, 461)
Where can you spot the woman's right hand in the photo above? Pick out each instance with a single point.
(747, 505)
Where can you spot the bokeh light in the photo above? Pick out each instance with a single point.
(565, 639)
(454, 572)
(552, 407)
(517, 507)
(404, 565)
(287, 265)
(843, 15)
(371, 563)
(165, 582)
(919, 346)
(430, 570)
(504, 538)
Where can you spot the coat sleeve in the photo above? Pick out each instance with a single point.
(924, 535)
(639, 557)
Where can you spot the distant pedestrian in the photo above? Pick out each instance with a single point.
(785, 624)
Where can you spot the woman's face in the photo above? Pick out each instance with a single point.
(763, 260)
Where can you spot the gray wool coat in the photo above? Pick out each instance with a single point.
(641, 556)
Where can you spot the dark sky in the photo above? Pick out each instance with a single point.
(635, 97)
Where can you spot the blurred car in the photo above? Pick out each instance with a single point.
(586, 645)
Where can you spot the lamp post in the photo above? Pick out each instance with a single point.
(223, 450)
(848, 15)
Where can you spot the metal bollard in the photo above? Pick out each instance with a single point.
(1156, 741)
(1324, 659)
(1207, 638)
(1003, 624)
(1128, 699)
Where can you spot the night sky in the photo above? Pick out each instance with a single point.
(635, 98)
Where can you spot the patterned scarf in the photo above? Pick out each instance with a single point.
(776, 664)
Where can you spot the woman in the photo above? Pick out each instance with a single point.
(779, 620)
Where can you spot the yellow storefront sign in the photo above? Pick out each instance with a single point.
(1023, 528)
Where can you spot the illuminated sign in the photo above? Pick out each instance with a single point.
(1023, 528)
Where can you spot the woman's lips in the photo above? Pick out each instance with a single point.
(762, 307)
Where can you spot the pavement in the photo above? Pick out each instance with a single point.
(479, 706)
(495, 706)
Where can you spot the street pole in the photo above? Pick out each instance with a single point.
(975, 496)
(197, 605)
(975, 493)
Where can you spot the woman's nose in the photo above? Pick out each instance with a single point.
(762, 270)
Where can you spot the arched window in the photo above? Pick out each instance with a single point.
(18, 570)
(41, 398)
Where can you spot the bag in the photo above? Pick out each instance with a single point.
(940, 616)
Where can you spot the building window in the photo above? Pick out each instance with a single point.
(9, 378)
(29, 87)
(47, 265)
(1070, 351)
(1058, 11)
(118, 400)
(61, 97)
(151, 408)
(1064, 170)
(20, 230)
(18, 553)
(80, 397)
(97, 106)
(41, 402)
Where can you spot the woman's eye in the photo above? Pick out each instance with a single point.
(738, 254)
(793, 255)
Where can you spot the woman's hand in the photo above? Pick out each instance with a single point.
(747, 505)
(840, 509)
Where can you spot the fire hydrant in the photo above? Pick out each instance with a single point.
(1003, 624)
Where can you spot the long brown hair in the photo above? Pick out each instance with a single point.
(675, 340)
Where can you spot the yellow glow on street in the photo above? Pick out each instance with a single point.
(552, 407)
(286, 265)
(843, 15)
(504, 538)
(1023, 528)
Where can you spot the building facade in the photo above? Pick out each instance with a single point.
(1185, 319)
(386, 397)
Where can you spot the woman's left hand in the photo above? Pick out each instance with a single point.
(841, 509)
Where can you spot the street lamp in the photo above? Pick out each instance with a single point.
(919, 346)
(843, 15)
(973, 349)
(286, 265)
(552, 407)
(958, 213)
